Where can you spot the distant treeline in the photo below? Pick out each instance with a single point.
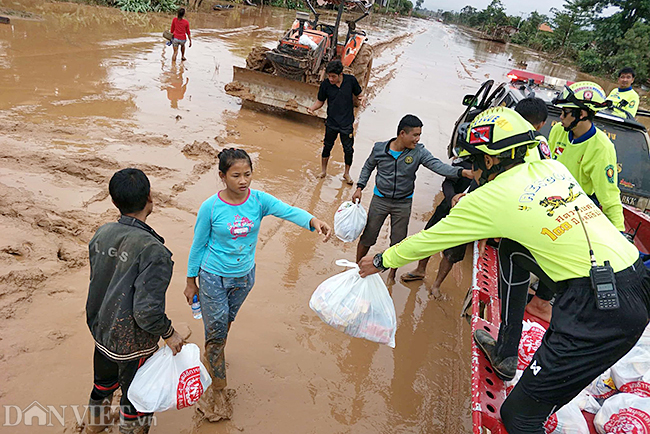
(401, 7)
(579, 31)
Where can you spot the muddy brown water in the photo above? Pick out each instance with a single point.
(85, 91)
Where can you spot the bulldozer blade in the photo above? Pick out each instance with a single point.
(274, 91)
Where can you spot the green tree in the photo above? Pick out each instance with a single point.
(449, 17)
(630, 11)
(568, 21)
(468, 16)
(494, 15)
(635, 51)
(405, 7)
(532, 23)
(608, 33)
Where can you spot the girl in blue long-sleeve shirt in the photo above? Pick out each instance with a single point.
(223, 258)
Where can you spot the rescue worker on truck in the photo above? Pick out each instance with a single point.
(625, 99)
(531, 207)
(534, 111)
(586, 150)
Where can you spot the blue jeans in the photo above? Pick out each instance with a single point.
(221, 298)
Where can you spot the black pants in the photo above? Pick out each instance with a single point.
(579, 345)
(453, 254)
(515, 265)
(109, 376)
(347, 140)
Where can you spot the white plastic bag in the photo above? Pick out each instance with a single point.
(640, 387)
(602, 387)
(631, 374)
(306, 40)
(166, 381)
(624, 414)
(567, 420)
(587, 402)
(631, 368)
(349, 221)
(359, 307)
(512, 383)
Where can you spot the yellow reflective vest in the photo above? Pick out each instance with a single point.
(618, 95)
(532, 204)
(591, 159)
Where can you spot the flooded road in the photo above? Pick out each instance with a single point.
(86, 91)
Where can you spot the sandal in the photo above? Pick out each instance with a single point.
(410, 277)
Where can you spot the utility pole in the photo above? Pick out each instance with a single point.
(521, 19)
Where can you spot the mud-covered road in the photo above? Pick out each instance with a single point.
(85, 91)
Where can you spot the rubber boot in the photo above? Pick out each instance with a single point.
(98, 415)
(141, 425)
(504, 368)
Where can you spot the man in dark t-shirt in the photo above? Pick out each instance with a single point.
(340, 91)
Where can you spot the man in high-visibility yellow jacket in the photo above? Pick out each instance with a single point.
(536, 208)
(585, 150)
(625, 99)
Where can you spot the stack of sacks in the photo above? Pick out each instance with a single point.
(624, 413)
(619, 397)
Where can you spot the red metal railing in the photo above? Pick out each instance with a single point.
(638, 223)
(488, 392)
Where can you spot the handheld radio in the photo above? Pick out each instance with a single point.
(603, 281)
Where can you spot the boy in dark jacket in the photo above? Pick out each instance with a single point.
(130, 269)
(397, 162)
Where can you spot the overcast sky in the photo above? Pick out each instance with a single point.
(513, 7)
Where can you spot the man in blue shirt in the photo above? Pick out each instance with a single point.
(397, 162)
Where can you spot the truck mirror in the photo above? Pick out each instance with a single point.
(470, 100)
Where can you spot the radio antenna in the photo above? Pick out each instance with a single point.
(592, 257)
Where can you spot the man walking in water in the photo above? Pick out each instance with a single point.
(181, 30)
(340, 91)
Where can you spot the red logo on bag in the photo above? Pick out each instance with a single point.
(639, 388)
(190, 388)
(551, 424)
(628, 421)
(531, 339)
(605, 395)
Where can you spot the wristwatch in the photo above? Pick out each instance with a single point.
(378, 262)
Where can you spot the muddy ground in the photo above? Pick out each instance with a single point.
(86, 91)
